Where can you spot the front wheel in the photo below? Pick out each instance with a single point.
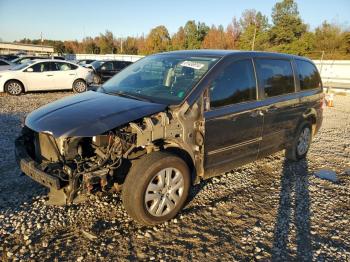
(97, 80)
(79, 86)
(156, 188)
(301, 143)
(14, 88)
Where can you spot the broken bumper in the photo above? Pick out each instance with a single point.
(28, 167)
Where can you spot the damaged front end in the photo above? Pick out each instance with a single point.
(72, 167)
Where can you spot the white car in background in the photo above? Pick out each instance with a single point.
(44, 75)
(4, 64)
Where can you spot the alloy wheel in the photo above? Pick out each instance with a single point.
(80, 86)
(164, 192)
(304, 141)
(14, 88)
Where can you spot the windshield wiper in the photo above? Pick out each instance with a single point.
(128, 95)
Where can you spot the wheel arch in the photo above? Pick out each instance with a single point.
(185, 156)
(311, 117)
(172, 148)
(17, 80)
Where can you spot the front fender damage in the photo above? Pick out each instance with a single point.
(86, 165)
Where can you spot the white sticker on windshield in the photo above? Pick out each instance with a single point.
(191, 64)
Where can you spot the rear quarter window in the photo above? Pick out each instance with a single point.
(275, 76)
(308, 75)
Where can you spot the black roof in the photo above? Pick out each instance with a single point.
(222, 53)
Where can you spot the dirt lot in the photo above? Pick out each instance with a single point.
(271, 209)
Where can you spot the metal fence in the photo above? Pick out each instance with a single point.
(335, 73)
(131, 58)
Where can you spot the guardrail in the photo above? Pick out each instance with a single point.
(334, 73)
(131, 58)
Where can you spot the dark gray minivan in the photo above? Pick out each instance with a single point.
(168, 121)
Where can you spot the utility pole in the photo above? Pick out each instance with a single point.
(42, 40)
(121, 45)
(253, 43)
(321, 61)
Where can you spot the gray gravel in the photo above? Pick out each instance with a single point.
(270, 209)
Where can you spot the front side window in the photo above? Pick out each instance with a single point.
(41, 67)
(235, 84)
(97, 64)
(108, 66)
(308, 75)
(165, 79)
(275, 76)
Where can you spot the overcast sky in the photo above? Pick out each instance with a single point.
(75, 19)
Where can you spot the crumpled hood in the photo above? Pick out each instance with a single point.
(89, 114)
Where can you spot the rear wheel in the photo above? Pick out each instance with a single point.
(156, 188)
(301, 143)
(14, 88)
(79, 86)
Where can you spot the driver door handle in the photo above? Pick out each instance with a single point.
(271, 108)
(257, 113)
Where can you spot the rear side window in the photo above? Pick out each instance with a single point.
(235, 84)
(3, 63)
(63, 66)
(308, 75)
(118, 65)
(275, 76)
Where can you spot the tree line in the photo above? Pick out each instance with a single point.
(285, 33)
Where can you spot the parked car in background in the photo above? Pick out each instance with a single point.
(9, 57)
(58, 57)
(25, 59)
(105, 69)
(84, 62)
(169, 121)
(4, 64)
(40, 75)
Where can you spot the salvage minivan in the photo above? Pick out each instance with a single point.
(168, 121)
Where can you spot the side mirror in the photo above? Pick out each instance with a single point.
(30, 69)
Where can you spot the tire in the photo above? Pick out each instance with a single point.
(145, 180)
(301, 143)
(14, 88)
(97, 80)
(79, 86)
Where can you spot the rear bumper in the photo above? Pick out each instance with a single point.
(29, 167)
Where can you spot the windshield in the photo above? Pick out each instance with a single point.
(97, 64)
(162, 78)
(21, 66)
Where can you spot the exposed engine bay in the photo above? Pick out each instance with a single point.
(85, 165)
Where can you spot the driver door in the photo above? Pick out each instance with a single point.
(39, 77)
(106, 71)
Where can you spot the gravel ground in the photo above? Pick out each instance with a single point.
(268, 210)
